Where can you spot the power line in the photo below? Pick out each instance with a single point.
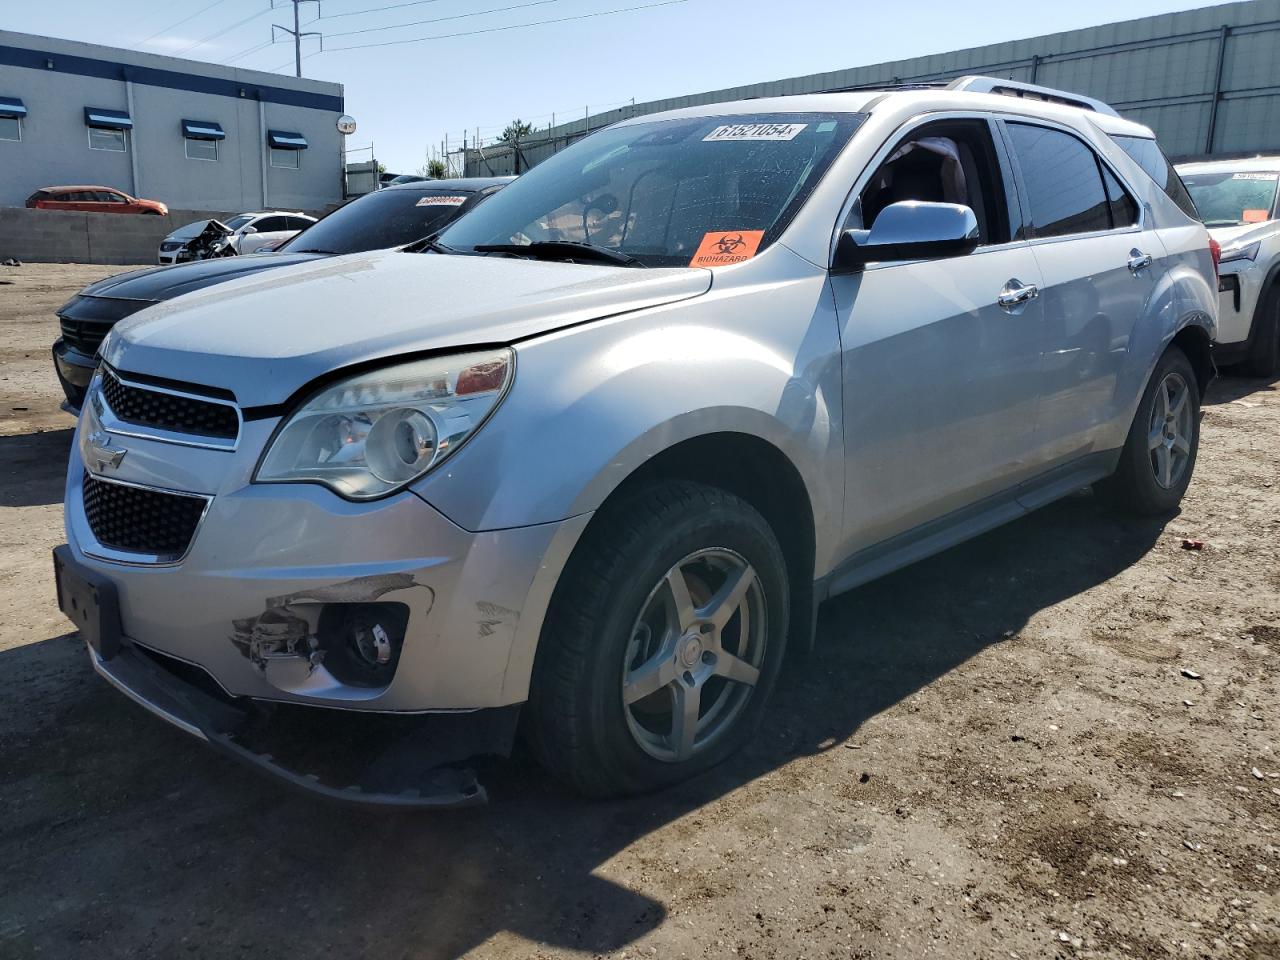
(456, 16)
(393, 6)
(180, 22)
(514, 26)
(215, 35)
(244, 53)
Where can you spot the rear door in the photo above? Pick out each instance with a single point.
(940, 365)
(1098, 260)
(269, 228)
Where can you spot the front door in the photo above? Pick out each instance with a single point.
(940, 358)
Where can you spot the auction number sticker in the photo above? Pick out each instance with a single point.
(725, 247)
(1255, 216)
(1255, 176)
(754, 131)
(441, 201)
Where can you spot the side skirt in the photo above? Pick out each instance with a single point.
(955, 528)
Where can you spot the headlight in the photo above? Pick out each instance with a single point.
(373, 433)
(1247, 252)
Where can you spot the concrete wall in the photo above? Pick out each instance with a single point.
(1207, 81)
(159, 93)
(50, 236)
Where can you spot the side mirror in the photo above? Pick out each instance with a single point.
(248, 230)
(909, 230)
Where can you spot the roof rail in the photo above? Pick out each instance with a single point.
(1032, 91)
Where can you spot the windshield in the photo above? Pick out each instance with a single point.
(388, 218)
(1230, 199)
(693, 192)
(189, 230)
(235, 223)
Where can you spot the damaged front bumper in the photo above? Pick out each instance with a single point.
(375, 760)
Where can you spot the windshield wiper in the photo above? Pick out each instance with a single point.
(429, 243)
(332, 253)
(561, 250)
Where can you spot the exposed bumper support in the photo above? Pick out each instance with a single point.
(409, 774)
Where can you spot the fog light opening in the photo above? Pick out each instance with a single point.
(362, 641)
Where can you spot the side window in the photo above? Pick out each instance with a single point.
(1124, 209)
(1064, 186)
(297, 223)
(946, 161)
(270, 224)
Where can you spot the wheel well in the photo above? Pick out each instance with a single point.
(1194, 342)
(762, 475)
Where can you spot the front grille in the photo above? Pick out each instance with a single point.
(83, 335)
(151, 408)
(141, 521)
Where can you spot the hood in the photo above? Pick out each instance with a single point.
(1244, 233)
(164, 283)
(264, 337)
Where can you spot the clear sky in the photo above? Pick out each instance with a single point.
(407, 96)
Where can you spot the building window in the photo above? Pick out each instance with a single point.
(102, 139)
(12, 110)
(108, 129)
(285, 158)
(286, 148)
(202, 138)
(202, 149)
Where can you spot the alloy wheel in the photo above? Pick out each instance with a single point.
(1170, 430)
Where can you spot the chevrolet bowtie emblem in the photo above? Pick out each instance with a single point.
(103, 453)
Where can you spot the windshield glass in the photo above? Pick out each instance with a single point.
(235, 223)
(388, 218)
(189, 230)
(692, 192)
(1229, 199)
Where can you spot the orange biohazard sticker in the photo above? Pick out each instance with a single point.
(1256, 216)
(724, 247)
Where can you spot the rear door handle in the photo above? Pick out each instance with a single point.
(1016, 293)
(1138, 261)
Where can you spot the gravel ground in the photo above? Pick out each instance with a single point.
(1056, 741)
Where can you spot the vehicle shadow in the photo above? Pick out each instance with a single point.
(168, 843)
(35, 465)
(1228, 387)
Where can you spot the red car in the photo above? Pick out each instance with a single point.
(84, 199)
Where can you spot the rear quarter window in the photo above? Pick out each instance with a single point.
(1147, 154)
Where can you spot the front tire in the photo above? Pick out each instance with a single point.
(1159, 454)
(663, 641)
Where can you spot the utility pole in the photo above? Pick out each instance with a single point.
(297, 32)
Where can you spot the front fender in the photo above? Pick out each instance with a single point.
(758, 354)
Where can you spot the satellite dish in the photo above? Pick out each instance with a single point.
(346, 124)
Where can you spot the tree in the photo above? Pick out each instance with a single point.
(382, 168)
(515, 130)
(434, 169)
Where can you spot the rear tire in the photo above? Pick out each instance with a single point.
(1264, 351)
(638, 682)
(1159, 455)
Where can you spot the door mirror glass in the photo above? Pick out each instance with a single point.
(909, 230)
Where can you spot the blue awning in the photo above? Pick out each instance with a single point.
(12, 107)
(107, 119)
(202, 130)
(284, 140)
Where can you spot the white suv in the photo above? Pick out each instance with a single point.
(1237, 200)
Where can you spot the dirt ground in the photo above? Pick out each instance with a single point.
(1056, 741)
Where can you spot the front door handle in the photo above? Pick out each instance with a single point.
(1016, 293)
(1138, 261)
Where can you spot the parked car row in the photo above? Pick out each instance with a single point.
(388, 218)
(584, 460)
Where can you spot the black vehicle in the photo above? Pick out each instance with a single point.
(387, 218)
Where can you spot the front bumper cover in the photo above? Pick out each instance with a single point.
(400, 762)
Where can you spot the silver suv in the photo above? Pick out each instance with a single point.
(590, 458)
